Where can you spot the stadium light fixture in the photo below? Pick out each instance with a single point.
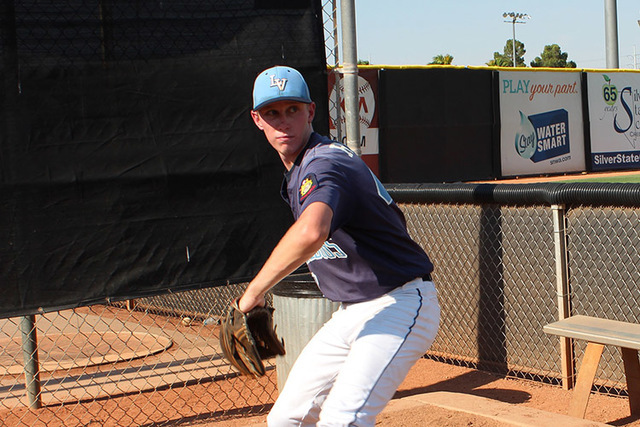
(514, 20)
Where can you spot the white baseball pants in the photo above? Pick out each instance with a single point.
(352, 367)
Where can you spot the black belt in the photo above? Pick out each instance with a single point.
(427, 278)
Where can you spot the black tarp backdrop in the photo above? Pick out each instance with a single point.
(437, 125)
(129, 164)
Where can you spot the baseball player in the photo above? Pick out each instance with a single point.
(355, 241)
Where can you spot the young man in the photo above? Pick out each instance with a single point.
(355, 242)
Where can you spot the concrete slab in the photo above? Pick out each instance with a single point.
(506, 413)
(503, 414)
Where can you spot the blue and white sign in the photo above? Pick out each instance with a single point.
(614, 116)
(541, 123)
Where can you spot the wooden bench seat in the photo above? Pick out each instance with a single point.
(598, 333)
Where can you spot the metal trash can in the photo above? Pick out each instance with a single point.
(300, 310)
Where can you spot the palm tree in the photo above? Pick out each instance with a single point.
(445, 59)
(499, 61)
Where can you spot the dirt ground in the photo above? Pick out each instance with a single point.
(195, 405)
(431, 376)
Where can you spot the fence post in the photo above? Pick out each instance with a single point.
(31, 363)
(350, 70)
(562, 290)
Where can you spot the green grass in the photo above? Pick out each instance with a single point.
(621, 179)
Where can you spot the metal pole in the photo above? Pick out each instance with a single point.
(350, 70)
(334, 14)
(513, 47)
(514, 20)
(611, 33)
(31, 363)
(336, 72)
(562, 290)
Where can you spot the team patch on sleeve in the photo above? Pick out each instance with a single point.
(307, 186)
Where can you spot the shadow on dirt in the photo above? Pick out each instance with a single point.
(469, 383)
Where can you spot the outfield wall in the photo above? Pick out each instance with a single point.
(449, 124)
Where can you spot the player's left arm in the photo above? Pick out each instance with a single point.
(303, 239)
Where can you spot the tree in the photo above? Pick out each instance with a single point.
(499, 61)
(363, 62)
(506, 59)
(445, 59)
(553, 57)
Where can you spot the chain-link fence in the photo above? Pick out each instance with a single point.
(496, 270)
(156, 360)
(604, 267)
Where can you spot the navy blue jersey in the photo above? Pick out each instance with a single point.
(369, 251)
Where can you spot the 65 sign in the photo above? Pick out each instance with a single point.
(609, 91)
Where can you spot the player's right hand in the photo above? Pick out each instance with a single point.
(247, 301)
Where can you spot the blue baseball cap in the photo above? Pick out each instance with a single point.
(279, 84)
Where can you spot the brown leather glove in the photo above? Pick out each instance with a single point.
(248, 338)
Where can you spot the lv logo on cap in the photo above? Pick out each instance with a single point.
(281, 83)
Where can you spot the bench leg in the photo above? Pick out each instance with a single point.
(586, 374)
(632, 372)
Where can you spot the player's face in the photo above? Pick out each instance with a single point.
(287, 126)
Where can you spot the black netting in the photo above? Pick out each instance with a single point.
(129, 164)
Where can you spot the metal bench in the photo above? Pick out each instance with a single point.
(598, 333)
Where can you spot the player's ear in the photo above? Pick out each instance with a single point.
(312, 111)
(257, 119)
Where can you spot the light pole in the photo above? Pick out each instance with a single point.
(514, 20)
(634, 53)
(611, 33)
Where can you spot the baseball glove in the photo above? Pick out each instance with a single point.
(248, 338)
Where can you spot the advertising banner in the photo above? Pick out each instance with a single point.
(541, 123)
(368, 114)
(614, 115)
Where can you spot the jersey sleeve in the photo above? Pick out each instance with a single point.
(322, 181)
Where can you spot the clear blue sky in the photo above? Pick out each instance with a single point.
(412, 32)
